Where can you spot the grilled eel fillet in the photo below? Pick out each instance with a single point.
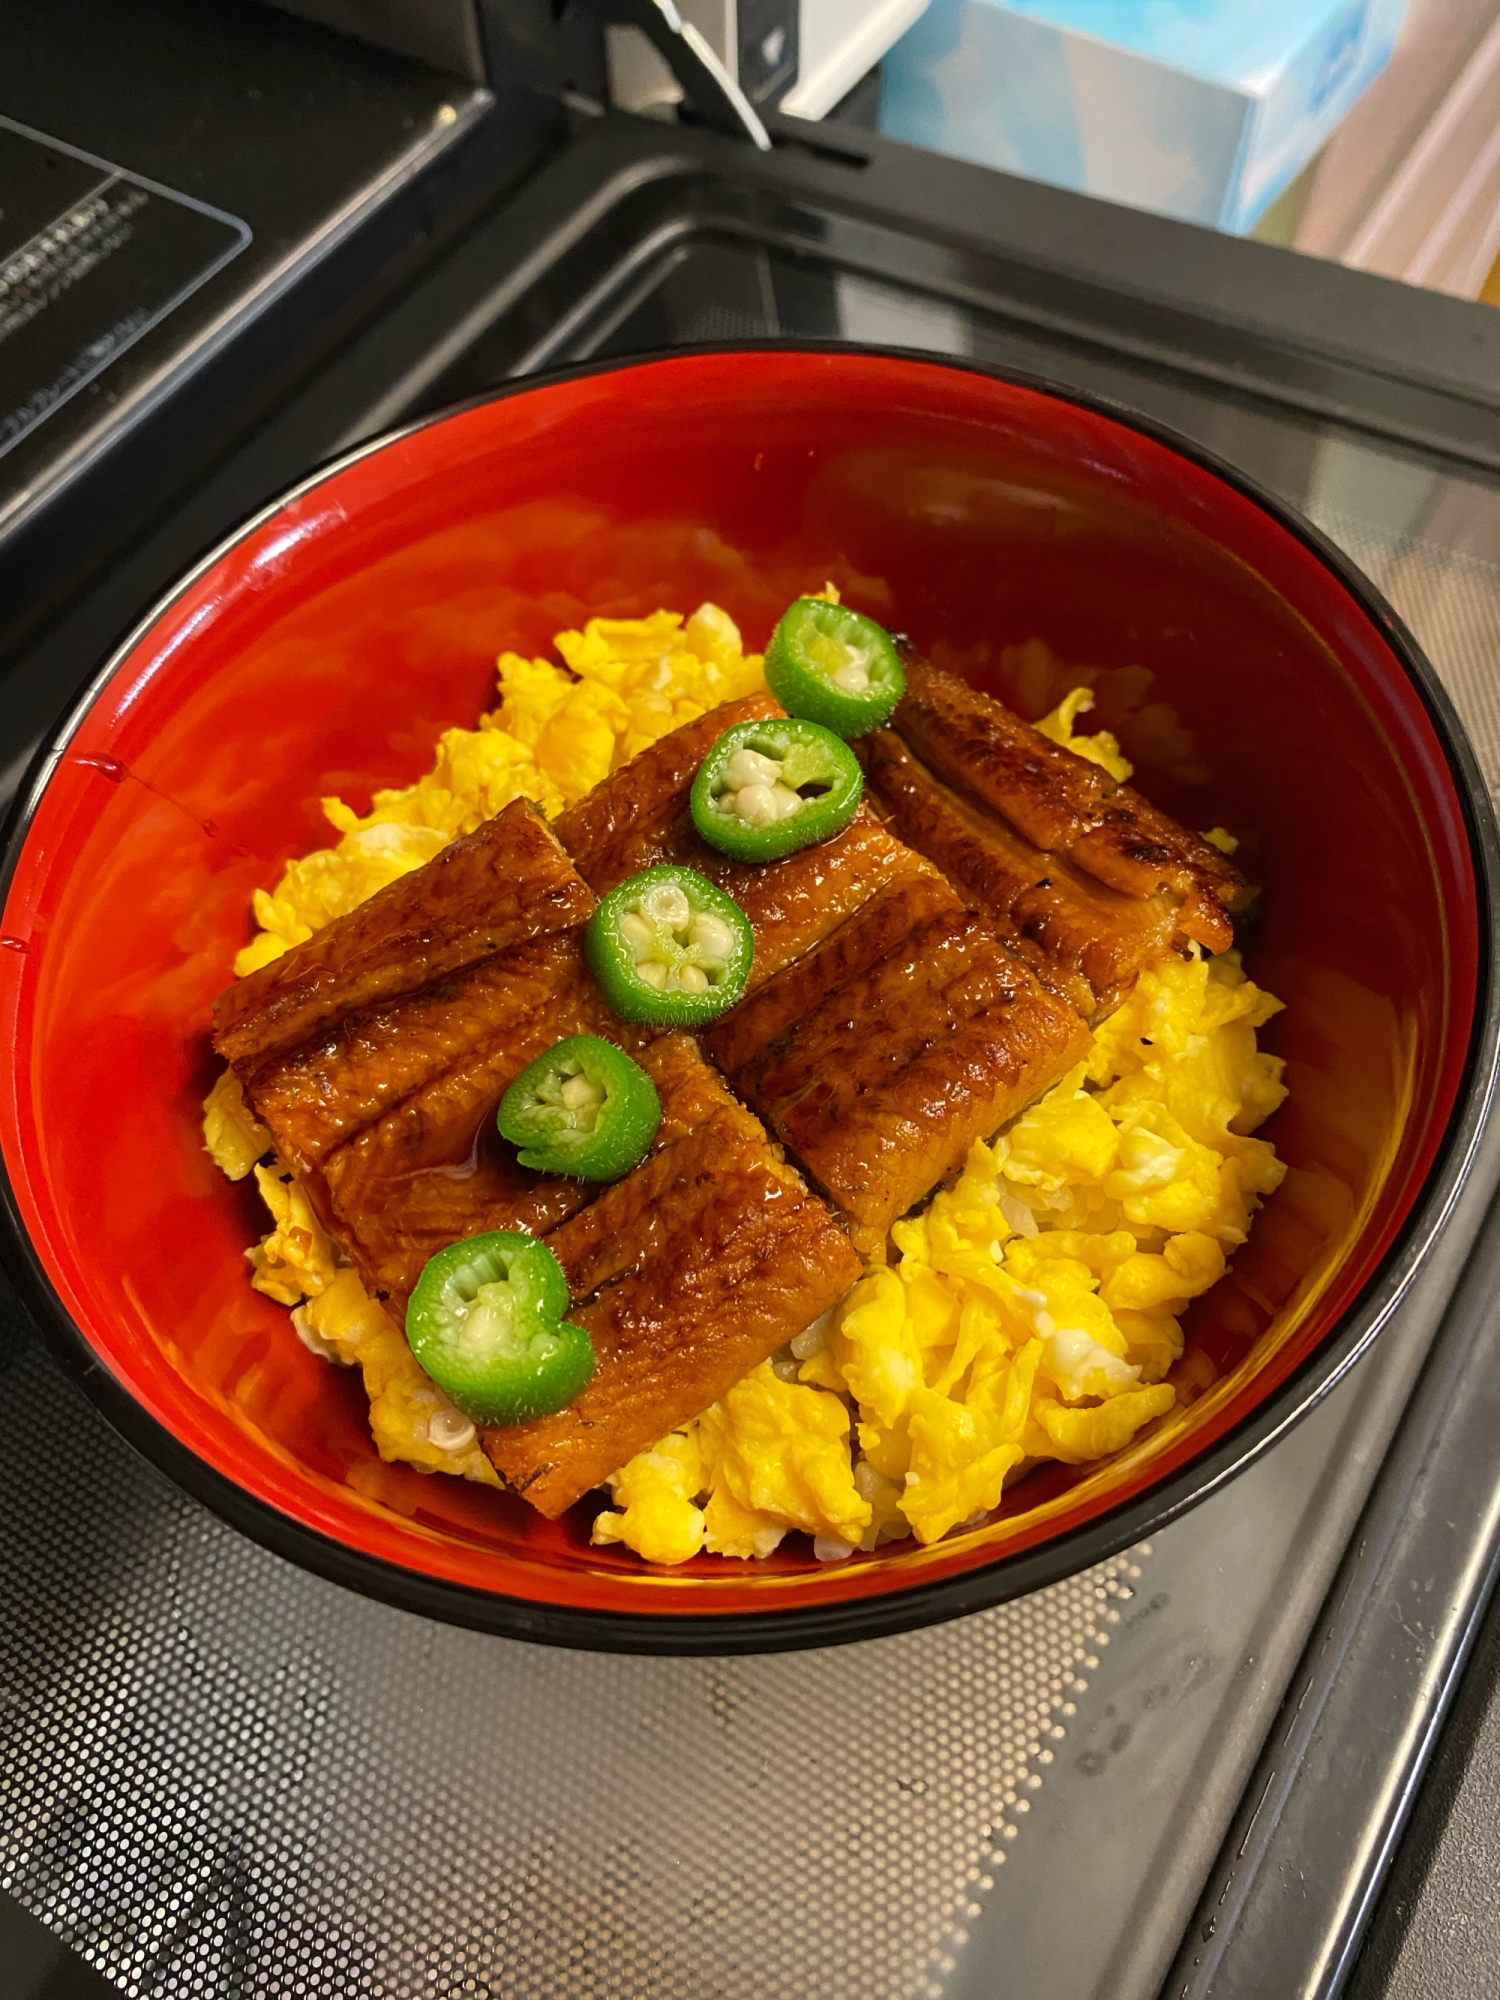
(429, 1168)
(382, 1107)
(882, 1055)
(1084, 878)
(695, 1267)
(703, 1260)
(886, 1026)
(496, 887)
(639, 818)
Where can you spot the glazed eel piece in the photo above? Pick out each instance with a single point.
(1084, 878)
(431, 1168)
(504, 883)
(689, 1272)
(639, 818)
(413, 1033)
(883, 1054)
(1084, 942)
(354, 1070)
(886, 1025)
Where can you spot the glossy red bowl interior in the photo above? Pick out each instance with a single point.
(326, 648)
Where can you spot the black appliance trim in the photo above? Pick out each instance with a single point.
(1237, 316)
(1359, 1723)
(196, 383)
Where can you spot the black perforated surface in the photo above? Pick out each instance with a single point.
(223, 1776)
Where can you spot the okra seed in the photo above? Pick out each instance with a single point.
(487, 1321)
(805, 1345)
(711, 936)
(665, 903)
(692, 979)
(637, 934)
(763, 805)
(449, 1429)
(853, 677)
(578, 1094)
(756, 805)
(749, 767)
(654, 973)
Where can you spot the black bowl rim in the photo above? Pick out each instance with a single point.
(1008, 1575)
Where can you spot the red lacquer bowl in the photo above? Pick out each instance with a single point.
(1256, 679)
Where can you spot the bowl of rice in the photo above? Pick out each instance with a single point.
(1223, 1201)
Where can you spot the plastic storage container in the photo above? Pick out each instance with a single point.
(1203, 109)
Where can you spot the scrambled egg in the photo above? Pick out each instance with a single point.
(295, 1261)
(1101, 748)
(411, 1420)
(558, 732)
(1031, 1311)
(233, 1136)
